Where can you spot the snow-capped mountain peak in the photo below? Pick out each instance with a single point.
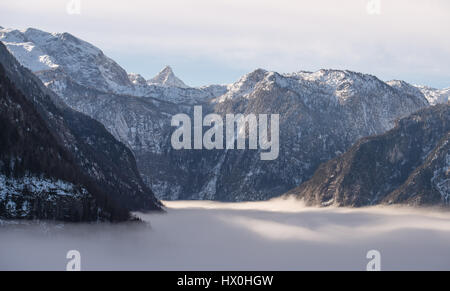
(339, 85)
(86, 64)
(433, 96)
(244, 86)
(167, 78)
(62, 60)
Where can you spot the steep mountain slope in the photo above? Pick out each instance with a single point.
(96, 152)
(38, 177)
(408, 165)
(429, 184)
(321, 115)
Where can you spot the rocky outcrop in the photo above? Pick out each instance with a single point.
(407, 165)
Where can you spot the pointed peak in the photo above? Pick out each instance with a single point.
(258, 72)
(167, 69)
(166, 77)
(254, 76)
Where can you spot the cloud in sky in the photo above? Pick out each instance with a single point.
(215, 41)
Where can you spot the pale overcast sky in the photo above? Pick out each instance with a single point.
(217, 41)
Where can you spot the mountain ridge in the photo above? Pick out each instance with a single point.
(322, 114)
(41, 46)
(408, 164)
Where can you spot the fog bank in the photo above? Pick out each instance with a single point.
(274, 235)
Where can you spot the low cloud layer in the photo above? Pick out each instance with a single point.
(274, 235)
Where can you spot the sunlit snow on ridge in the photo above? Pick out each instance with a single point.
(281, 234)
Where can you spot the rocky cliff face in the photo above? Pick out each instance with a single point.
(407, 165)
(38, 177)
(102, 160)
(321, 115)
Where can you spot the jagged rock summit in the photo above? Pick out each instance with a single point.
(167, 78)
